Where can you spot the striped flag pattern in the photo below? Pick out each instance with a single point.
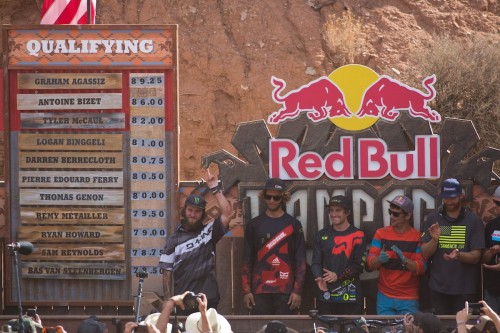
(452, 236)
(67, 12)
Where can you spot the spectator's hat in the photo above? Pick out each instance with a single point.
(339, 200)
(484, 325)
(428, 322)
(218, 323)
(91, 325)
(275, 184)
(450, 188)
(402, 202)
(153, 318)
(196, 201)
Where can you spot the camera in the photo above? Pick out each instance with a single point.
(190, 300)
(142, 273)
(31, 313)
(475, 308)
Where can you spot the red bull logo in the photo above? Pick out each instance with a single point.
(320, 98)
(354, 97)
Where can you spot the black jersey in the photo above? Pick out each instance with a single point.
(274, 258)
(190, 255)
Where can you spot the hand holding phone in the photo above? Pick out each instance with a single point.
(475, 308)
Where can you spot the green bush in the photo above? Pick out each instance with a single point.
(468, 83)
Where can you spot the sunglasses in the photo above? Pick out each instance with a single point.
(393, 213)
(274, 197)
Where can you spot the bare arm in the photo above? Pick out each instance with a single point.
(202, 307)
(471, 257)
(224, 205)
(490, 253)
(167, 284)
(164, 317)
(168, 307)
(430, 247)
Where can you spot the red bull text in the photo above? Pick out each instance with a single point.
(373, 158)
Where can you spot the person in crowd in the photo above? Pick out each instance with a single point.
(131, 327)
(92, 325)
(31, 323)
(488, 322)
(396, 252)
(491, 257)
(274, 259)
(337, 262)
(276, 326)
(452, 241)
(206, 320)
(189, 253)
(421, 322)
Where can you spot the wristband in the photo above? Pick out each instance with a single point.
(461, 323)
(215, 189)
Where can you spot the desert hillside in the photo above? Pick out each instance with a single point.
(229, 49)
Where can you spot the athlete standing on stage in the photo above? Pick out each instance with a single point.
(274, 259)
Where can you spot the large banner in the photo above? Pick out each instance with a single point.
(360, 134)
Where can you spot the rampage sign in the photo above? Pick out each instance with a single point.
(359, 134)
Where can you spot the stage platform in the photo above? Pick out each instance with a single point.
(239, 324)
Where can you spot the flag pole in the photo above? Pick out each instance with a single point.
(88, 11)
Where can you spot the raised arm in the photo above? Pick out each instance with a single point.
(226, 209)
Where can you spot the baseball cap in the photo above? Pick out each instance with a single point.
(402, 202)
(484, 325)
(91, 325)
(450, 188)
(428, 322)
(275, 184)
(339, 200)
(196, 201)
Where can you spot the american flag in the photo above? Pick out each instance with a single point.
(67, 12)
(452, 236)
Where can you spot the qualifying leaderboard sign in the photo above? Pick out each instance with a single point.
(93, 148)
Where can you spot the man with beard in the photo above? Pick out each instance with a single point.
(337, 262)
(396, 252)
(452, 242)
(274, 257)
(189, 253)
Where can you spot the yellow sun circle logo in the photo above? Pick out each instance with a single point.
(353, 81)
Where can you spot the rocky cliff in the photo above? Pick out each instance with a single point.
(229, 49)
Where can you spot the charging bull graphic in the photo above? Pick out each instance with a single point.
(320, 98)
(387, 96)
